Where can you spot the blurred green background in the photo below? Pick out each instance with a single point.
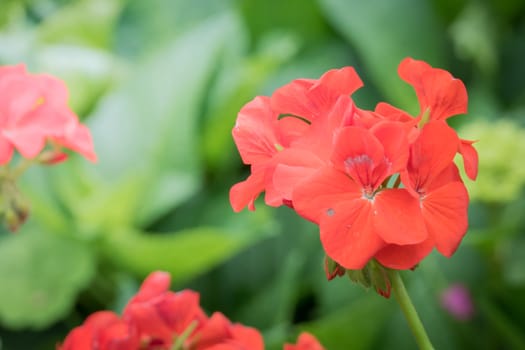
(160, 82)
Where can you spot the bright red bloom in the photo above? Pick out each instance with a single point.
(341, 167)
(356, 217)
(33, 111)
(306, 341)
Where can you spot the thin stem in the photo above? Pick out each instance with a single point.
(414, 322)
(178, 344)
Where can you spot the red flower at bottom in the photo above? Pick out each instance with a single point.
(306, 341)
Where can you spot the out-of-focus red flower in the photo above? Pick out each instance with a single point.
(219, 333)
(102, 330)
(159, 314)
(306, 341)
(33, 112)
(158, 319)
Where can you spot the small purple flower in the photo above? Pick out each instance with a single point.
(457, 301)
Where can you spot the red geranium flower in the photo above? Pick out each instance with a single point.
(33, 111)
(102, 330)
(158, 319)
(306, 341)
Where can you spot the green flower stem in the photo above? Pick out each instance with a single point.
(178, 344)
(414, 322)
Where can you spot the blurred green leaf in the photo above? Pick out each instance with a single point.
(147, 25)
(383, 32)
(240, 80)
(514, 262)
(184, 254)
(41, 276)
(474, 37)
(87, 72)
(302, 17)
(85, 22)
(155, 116)
(353, 326)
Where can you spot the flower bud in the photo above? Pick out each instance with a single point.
(372, 275)
(332, 269)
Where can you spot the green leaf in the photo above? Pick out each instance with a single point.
(86, 22)
(184, 254)
(41, 276)
(146, 131)
(384, 32)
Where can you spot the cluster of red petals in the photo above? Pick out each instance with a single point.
(306, 341)
(158, 319)
(33, 112)
(381, 184)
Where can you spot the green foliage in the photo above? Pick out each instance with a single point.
(41, 277)
(142, 253)
(160, 83)
(413, 30)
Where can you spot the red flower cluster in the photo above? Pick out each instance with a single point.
(33, 111)
(158, 319)
(381, 184)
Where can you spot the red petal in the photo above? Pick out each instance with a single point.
(294, 166)
(357, 152)
(247, 337)
(397, 217)
(436, 89)
(312, 198)
(394, 138)
(348, 235)
(403, 257)
(433, 151)
(6, 150)
(254, 131)
(292, 99)
(28, 142)
(470, 158)
(392, 113)
(215, 331)
(344, 81)
(157, 283)
(148, 322)
(445, 214)
(246, 192)
(305, 341)
(180, 309)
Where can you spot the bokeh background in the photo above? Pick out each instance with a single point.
(160, 82)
